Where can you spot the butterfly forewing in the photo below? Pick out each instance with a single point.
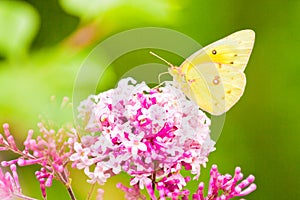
(233, 50)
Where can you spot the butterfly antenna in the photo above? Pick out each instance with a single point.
(157, 56)
(160, 84)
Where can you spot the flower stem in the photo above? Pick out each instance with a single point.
(90, 192)
(153, 180)
(65, 180)
(24, 197)
(71, 193)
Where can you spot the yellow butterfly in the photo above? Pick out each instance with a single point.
(213, 77)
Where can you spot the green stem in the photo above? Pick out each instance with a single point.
(90, 192)
(65, 180)
(21, 196)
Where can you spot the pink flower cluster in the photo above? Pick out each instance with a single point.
(143, 132)
(149, 133)
(221, 187)
(9, 185)
(51, 150)
(224, 187)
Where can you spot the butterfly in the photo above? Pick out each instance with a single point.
(213, 77)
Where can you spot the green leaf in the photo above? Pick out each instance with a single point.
(87, 10)
(19, 24)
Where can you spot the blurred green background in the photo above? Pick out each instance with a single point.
(43, 43)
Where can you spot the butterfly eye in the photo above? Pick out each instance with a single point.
(214, 52)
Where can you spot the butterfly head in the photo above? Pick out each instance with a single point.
(174, 70)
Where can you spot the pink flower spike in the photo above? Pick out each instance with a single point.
(50, 150)
(226, 185)
(6, 130)
(29, 136)
(9, 186)
(199, 195)
(100, 193)
(246, 182)
(23, 162)
(43, 187)
(248, 190)
(3, 148)
(8, 163)
(11, 141)
(49, 181)
(131, 193)
(213, 180)
(2, 141)
(9, 137)
(6, 186)
(122, 187)
(13, 168)
(150, 191)
(58, 167)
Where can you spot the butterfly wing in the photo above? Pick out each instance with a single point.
(215, 90)
(215, 73)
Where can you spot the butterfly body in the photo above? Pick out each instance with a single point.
(214, 76)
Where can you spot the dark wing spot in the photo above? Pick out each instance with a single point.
(214, 52)
(228, 91)
(232, 62)
(220, 65)
(235, 55)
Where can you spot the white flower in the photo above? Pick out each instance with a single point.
(102, 144)
(98, 175)
(142, 179)
(80, 152)
(81, 156)
(134, 143)
(114, 164)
